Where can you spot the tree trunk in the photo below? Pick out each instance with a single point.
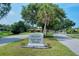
(45, 30)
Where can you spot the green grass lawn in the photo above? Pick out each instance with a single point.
(15, 49)
(74, 35)
(5, 33)
(25, 33)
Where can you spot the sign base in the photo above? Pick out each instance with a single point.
(36, 46)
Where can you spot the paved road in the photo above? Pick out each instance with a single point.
(71, 43)
(8, 39)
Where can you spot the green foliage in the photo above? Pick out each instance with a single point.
(43, 14)
(18, 27)
(4, 9)
(78, 30)
(75, 33)
(28, 13)
(68, 23)
(69, 30)
(49, 12)
(46, 15)
(5, 27)
(61, 25)
(72, 30)
(5, 33)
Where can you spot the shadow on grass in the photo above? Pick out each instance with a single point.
(61, 38)
(50, 37)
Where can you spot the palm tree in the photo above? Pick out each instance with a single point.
(49, 12)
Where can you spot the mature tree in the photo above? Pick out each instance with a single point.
(61, 25)
(68, 23)
(29, 13)
(56, 25)
(4, 9)
(18, 27)
(43, 14)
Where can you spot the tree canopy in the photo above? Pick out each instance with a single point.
(4, 9)
(41, 12)
(47, 15)
(18, 27)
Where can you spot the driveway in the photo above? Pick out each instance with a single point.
(71, 43)
(8, 39)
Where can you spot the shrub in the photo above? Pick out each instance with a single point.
(18, 27)
(72, 31)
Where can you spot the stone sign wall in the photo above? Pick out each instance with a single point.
(36, 40)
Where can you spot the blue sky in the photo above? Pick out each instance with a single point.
(71, 10)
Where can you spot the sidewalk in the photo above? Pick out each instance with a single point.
(71, 43)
